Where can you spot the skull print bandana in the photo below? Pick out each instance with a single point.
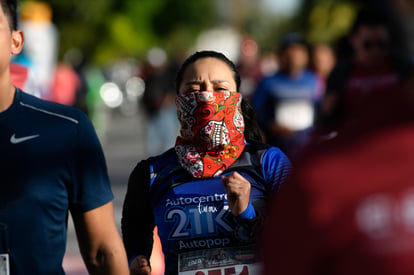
(211, 136)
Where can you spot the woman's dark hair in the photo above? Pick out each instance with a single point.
(9, 8)
(252, 131)
(206, 54)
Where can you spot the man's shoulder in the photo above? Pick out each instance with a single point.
(49, 109)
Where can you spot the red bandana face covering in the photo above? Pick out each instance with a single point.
(211, 136)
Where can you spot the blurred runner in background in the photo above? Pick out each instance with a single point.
(372, 75)
(286, 102)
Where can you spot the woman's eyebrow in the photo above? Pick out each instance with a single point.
(196, 82)
(193, 82)
(220, 81)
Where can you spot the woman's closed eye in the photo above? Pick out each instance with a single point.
(200, 89)
(220, 89)
(193, 90)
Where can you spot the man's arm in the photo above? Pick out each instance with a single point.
(99, 241)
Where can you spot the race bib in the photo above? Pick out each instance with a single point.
(4, 264)
(219, 261)
(295, 115)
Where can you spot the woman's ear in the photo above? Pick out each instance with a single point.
(17, 41)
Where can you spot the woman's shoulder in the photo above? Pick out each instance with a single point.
(259, 153)
(166, 160)
(268, 155)
(253, 145)
(157, 160)
(165, 155)
(263, 148)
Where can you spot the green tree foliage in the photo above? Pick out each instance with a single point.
(106, 30)
(109, 29)
(81, 24)
(325, 21)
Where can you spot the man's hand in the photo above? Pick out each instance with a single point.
(238, 192)
(140, 266)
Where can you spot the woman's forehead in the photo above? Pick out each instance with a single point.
(212, 67)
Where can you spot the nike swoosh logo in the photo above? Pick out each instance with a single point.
(15, 140)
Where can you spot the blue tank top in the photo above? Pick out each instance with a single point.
(194, 221)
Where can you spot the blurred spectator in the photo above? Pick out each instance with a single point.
(77, 61)
(322, 61)
(40, 52)
(69, 84)
(158, 102)
(286, 101)
(374, 73)
(268, 63)
(249, 66)
(94, 79)
(351, 198)
(19, 75)
(22, 74)
(65, 85)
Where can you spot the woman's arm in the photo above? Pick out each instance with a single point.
(137, 221)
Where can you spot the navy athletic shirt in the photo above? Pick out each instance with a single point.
(197, 231)
(51, 161)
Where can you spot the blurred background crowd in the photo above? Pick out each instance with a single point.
(297, 60)
(121, 56)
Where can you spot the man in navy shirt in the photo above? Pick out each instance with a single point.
(51, 164)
